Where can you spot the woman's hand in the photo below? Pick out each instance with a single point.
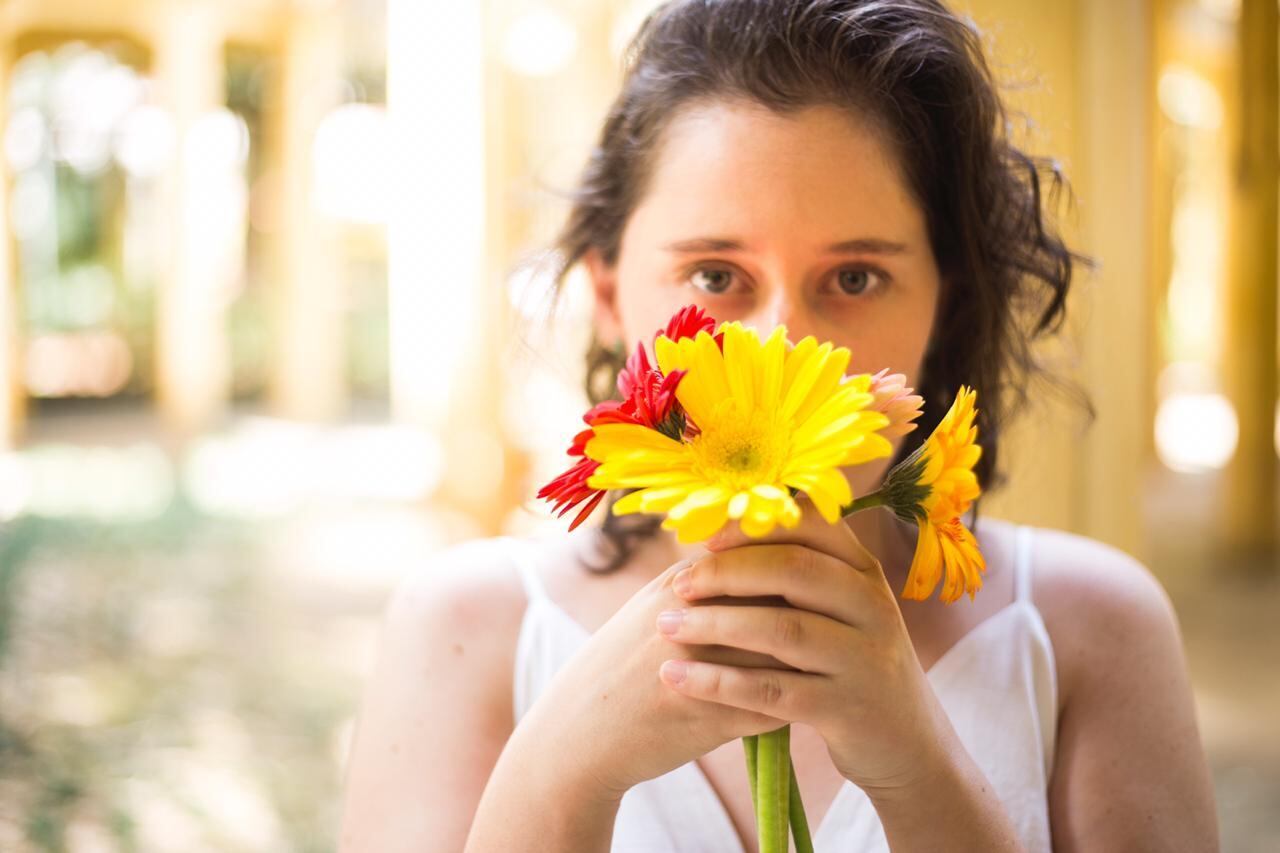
(843, 662)
(607, 719)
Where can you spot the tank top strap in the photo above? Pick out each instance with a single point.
(519, 549)
(1022, 563)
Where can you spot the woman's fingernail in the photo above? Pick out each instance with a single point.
(674, 671)
(669, 621)
(683, 582)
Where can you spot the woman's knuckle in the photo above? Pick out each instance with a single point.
(709, 570)
(881, 602)
(771, 693)
(802, 564)
(788, 628)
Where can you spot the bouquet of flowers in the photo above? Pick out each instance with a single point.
(729, 427)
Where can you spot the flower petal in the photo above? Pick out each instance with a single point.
(628, 438)
(873, 446)
(825, 382)
(827, 488)
(926, 565)
(740, 363)
(698, 524)
(772, 361)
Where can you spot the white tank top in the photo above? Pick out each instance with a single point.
(997, 684)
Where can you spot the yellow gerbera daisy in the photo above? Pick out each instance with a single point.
(767, 416)
(946, 546)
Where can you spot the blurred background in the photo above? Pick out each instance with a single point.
(273, 330)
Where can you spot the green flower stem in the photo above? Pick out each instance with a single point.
(799, 823)
(773, 789)
(865, 502)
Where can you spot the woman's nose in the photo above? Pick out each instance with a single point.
(783, 310)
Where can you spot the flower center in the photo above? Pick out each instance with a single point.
(743, 459)
(740, 450)
(952, 529)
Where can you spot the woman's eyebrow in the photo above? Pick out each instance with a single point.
(869, 245)
(861, 245)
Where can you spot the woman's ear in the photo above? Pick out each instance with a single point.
(604, 289)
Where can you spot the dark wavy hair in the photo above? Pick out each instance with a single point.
(917, 71)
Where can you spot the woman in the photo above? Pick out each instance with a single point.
(839, 167)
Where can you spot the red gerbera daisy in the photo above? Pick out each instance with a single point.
(648, 399)
(687, 322)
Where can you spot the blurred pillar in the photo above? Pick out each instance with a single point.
(436, 221)
(193, 363)
(12, 397)
(1113, 180)
(307, 379)
(1249, 351)
(535, 156)
(441, 278)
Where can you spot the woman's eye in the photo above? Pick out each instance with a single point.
(711, 279)
(856, 282)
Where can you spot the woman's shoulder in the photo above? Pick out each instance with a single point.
(468, 580)
(466, 600)
(1126, 712)
(1074, 571)
(1103, 608)
(437, 706)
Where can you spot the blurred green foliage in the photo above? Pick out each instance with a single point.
(163, 685)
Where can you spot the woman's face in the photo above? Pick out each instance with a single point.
(803, 220)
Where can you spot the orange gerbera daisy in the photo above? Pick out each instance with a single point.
(946, 548)
(933, 487)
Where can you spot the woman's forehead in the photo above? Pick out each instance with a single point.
(735, 168)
